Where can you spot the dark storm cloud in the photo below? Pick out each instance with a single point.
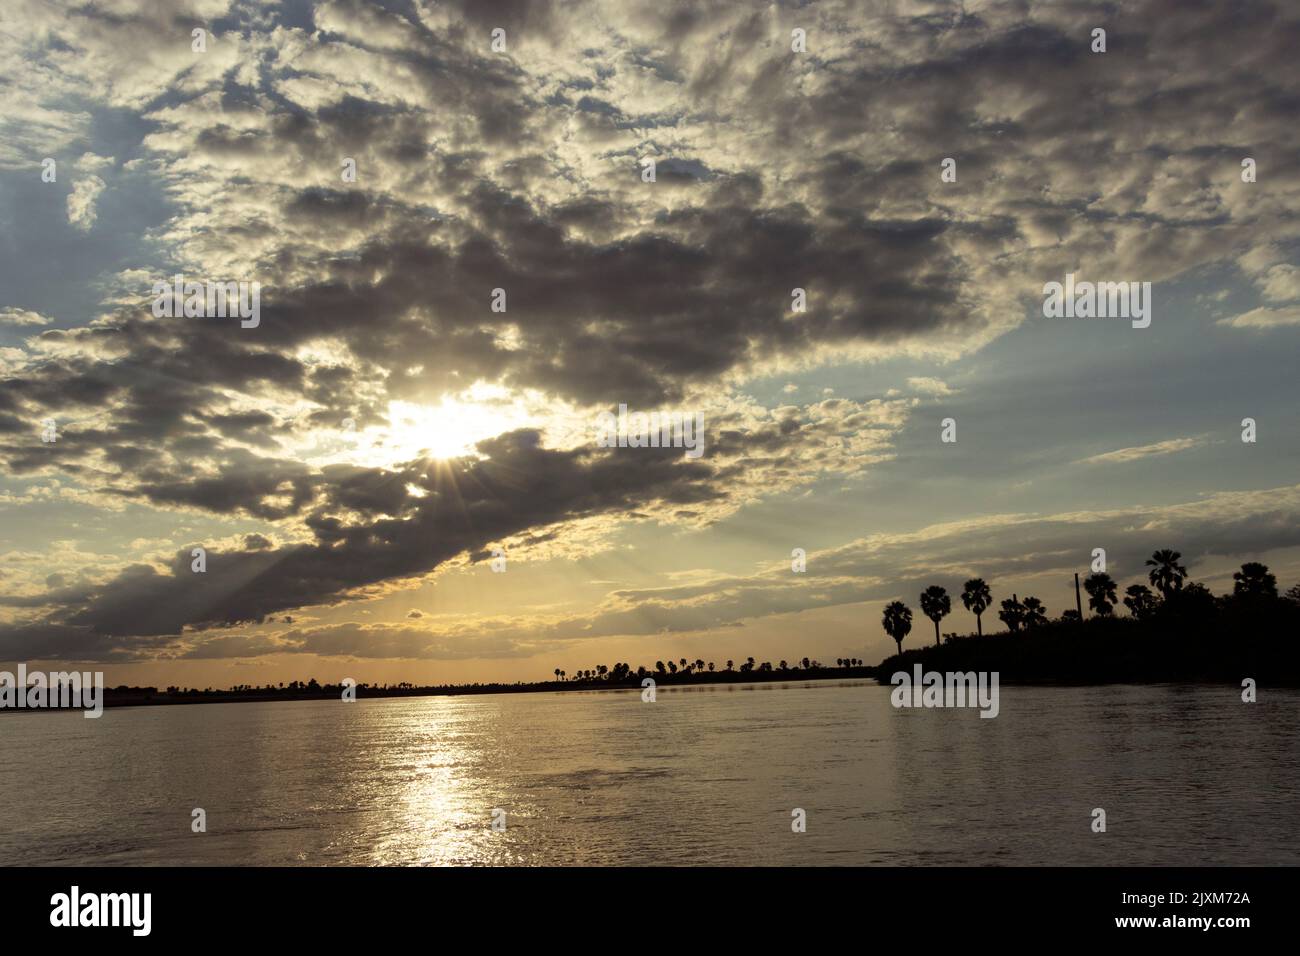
(259, 486)
(518, 486)
(34, 642)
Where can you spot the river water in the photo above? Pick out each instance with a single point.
(703, 775)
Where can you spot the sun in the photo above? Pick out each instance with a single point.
(444, 428)
(449, 429)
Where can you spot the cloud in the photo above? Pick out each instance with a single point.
(90, 163)
(1124, 455)
(929, 386)
(1264, 317)
(81, 202)
(23, 317)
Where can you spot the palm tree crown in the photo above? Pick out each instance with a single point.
(1101, 593)
(1254, 580)
(1033, 612)
(897, 622)
(1012, 613)
(935, 604)
(976, 597)
(1167, 575)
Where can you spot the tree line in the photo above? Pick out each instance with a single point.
(621, 672)
(1168, 586)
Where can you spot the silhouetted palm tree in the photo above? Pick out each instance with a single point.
(1034, 612)
(976, 597)
(1012, 613)
(1254, 580)
(710, 667)
(897, 622)
(935, 605)
(1166, 575)
(1101, 593)
(557, 673)
(1139, 600)
(730, 664)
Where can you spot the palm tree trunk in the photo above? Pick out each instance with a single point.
(937, 642)
(979, 625)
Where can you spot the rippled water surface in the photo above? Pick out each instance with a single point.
(703, 775)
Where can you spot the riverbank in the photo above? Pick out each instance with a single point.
(151, 696)
(1215, 648)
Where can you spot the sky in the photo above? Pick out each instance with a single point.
(352, 464)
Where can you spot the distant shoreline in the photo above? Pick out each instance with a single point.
(151, 697)
(146, 697)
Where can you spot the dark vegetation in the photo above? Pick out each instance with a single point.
(1175, 630)
(669, 674)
